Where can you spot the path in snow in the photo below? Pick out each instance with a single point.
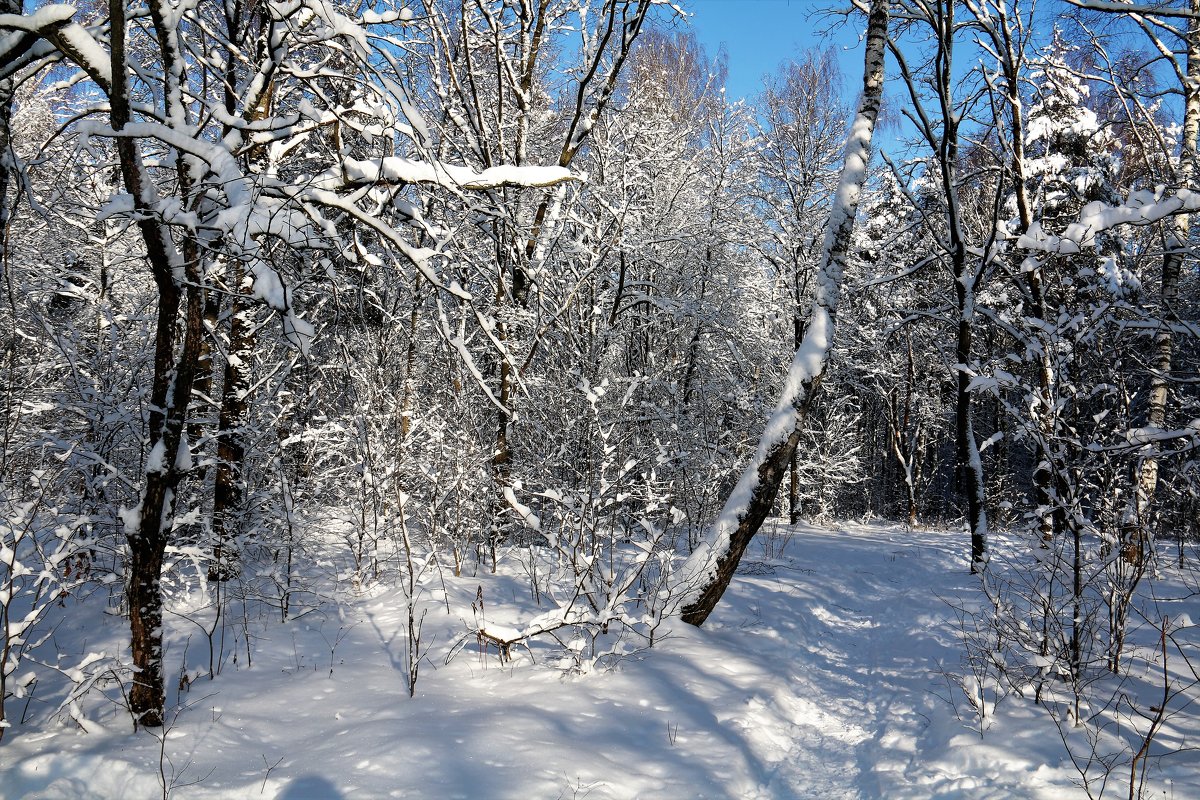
(840, 689)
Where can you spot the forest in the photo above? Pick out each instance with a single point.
(305, 301)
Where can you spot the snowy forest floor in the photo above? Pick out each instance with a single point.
(823, 674)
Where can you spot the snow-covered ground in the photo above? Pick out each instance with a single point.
(823, 674)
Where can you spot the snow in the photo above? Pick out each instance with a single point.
(372, 17)
(819, 676)
(45, 16)
(183, 457)
(1141, 207)
(524, 511)
(83, 46)
(419, 128)
(93, 58)
(131, 518)
(154, 461)
(298, 331)
(117, 205)
(268, 287)
(1147, 435)
(395, 169)
(1042, 125)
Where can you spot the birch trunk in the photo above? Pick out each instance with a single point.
(1137, 527)
(709, 570)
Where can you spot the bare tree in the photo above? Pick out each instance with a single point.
(938, 120)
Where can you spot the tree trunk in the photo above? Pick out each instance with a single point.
(149, 530)
(6, 99)
(1136, 528)
(709, 570)
(235, 405)
(1009, 47)
(9, 347)
(146, 696)
(968, 462)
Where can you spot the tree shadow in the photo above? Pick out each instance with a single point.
(310, 787)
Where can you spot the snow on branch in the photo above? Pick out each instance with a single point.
(353, 172)
(1142, 9)
(54, 24)
(1141, 208)
(1151, 434)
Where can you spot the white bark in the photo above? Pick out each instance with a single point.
(708, 571)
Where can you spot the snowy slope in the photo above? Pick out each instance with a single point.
(820, 676)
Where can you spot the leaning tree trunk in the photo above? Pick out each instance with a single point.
(709, 570)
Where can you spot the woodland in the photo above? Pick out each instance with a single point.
(306, 297)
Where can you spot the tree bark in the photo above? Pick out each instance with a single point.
(1009, 46)
(9, 346)
(170, 394)
(968, 460)
(1137, 525)
(710, 569)
(235, 405)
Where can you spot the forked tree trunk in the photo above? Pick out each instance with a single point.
(173, 377)
(709, 570)
(174, 373)
(1009, 46)
(621, 23)
(968, 459)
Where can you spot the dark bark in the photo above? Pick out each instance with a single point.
(794, 490)
(770, 474)
(904, 436)
(10, 345)
(171, 391)
(1011, 63)
(146, 696)
(969, 465)
(970, 469)
(231, 422)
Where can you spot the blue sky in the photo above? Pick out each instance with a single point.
(760, 34)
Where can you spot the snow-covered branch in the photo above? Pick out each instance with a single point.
(1142, 207)
(1143, 9)
(353, 172)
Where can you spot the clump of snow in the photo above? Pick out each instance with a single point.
(1141, 207)
(158, 453)
(525, 512)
